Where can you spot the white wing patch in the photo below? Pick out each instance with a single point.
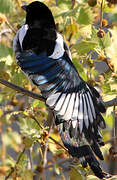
(89, 110)
(91, 105)
(64, 106)
(68, 113)
(86, 121)
(60, 102)
(78, 108)
(75, 110)
(52, 99)
(80, 114)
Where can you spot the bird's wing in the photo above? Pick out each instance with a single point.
(67, 94)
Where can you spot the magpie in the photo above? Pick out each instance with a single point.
(45, 58)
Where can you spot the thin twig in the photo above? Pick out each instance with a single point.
(33, 117)
(56, 142)
(101, 13)
(106, 60)
(10, 26)
(17, 162)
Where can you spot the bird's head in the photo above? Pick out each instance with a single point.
(38, 12)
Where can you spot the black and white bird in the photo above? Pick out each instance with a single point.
(45, 58)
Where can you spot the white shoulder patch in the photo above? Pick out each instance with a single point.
(22, 32)
(59, 47)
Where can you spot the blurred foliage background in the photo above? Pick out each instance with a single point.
(90, 29)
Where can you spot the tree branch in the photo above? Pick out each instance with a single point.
(22, 90)
(110, 103)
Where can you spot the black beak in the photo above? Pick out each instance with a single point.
(24, 7)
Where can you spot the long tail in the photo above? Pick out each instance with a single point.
(79, 147)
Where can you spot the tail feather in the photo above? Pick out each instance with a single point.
(100, 121)
(95, 166)
(96, 149)
(80, 147)
(93, 138)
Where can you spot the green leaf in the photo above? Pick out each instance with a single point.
(5, 51)
(19, 78)
(85, 16)
(85, 46)
(109, 120)
(106, 88)
(57, 169)
(28, 142)
(67, 12)
(37, 103)
(10, 162)
(6, 6)
(2, 65)
(29, 127)
(59, 151)
(106, 40)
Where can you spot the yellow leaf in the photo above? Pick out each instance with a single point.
(52, 146)
(1, 112)
(91, 177)
(4, 74)
(72, 28)
(75, 174)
